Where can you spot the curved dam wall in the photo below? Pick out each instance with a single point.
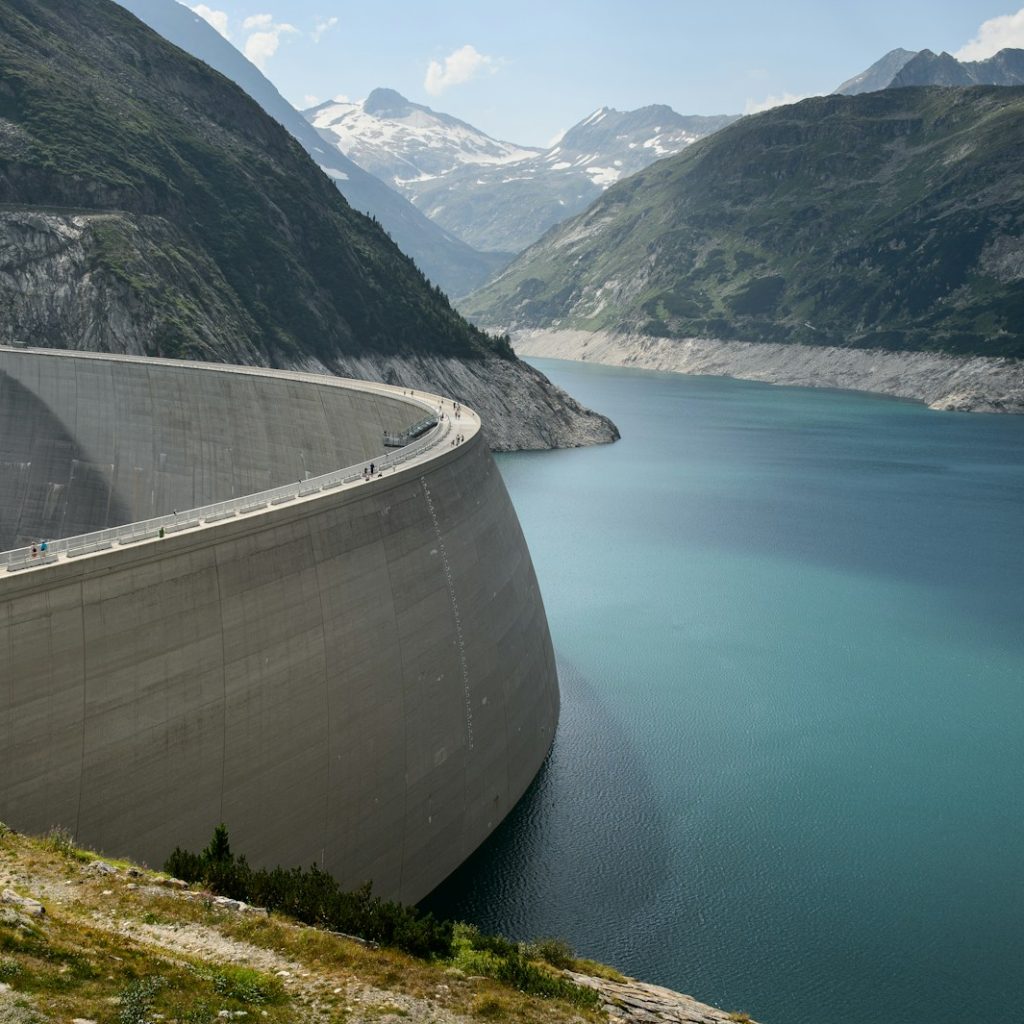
(363, 678)
(89, 443)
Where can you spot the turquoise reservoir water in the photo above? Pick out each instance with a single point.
(789, 776)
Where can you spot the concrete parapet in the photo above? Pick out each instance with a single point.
(361, 678)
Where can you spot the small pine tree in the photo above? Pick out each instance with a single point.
(219, 850)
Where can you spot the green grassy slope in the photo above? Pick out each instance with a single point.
(99, 113)
(893, 219)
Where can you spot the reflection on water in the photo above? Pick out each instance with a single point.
(789, 772)
(590, 811)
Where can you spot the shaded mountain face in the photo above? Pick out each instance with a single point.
(927, 68)
(445, 259)
(495, 195)
(893, 219)
(903, 68)
(879, 75)
(103, 115)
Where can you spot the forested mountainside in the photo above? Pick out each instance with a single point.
(893, 219)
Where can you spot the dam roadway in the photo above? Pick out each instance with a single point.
(349, 672)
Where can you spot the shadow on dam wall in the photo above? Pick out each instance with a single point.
(49, 486)
(362, 677)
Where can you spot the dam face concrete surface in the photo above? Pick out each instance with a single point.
(361, 677)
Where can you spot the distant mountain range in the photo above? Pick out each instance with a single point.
(892, 219)
(445, 259)
(494, 195)
(903, 68)
(400, 141)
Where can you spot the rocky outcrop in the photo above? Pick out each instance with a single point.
(636, 1002)
(114, 282)
(520, 408)
(963, 383)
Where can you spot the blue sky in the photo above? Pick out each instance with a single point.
(527, 69)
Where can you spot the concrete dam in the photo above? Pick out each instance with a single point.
(231, 623)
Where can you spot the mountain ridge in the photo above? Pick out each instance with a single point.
(905, 68)
(891, 220)
(445, 259)
(497, 196)
(398, 140)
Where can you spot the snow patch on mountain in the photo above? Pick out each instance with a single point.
(492, 194)
(404, 142)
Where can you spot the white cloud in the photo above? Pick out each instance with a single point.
(755, 107)
(264, 38)
(994, 35)
(218, 19)
(258, 21)
(309, 100)
(459, 66)
(323, 26)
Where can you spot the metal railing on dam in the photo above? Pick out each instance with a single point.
(156, 528)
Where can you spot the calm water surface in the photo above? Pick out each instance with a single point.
(789, 775)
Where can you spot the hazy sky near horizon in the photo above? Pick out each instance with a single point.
(524, 71)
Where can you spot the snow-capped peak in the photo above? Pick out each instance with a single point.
(402, 141)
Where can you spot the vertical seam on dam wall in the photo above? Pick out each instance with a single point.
(223, 688)
(85, 705)
(460, 640)
(328, 790)
(400, 648)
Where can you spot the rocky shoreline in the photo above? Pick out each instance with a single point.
(957, 383)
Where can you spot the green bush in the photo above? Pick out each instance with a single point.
(520, 973)
(313, 897)
(512, 964)
(247, 986)
(556, 952)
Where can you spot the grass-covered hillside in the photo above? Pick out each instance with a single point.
(891, 220)
(220, 236)
(104, 941)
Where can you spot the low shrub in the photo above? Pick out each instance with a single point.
(313, 897)
(247, 986)
(136, 1000)
(556, 952)
(513, 964)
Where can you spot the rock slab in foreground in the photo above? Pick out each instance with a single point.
(957, 383)
(636, 1002)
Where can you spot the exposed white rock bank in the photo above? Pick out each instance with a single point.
(961, 383)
